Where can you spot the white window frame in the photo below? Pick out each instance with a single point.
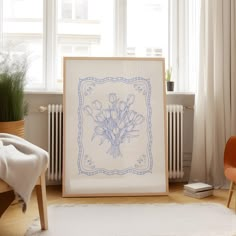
(49, 44)
(49, 39)
(120, 42)
(120, 27)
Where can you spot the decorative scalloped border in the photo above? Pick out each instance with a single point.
(85, 86)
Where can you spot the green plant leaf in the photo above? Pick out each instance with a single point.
(168, 74)
(12, 81)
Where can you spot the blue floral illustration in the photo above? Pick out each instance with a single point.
(116, 123)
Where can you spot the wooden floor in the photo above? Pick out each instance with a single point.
(15, 223)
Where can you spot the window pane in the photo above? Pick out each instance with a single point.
(84, 28)
(147, 28)
(23, 34)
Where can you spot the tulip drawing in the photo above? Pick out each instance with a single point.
(116, 123)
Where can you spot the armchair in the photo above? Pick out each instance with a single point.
(22, 168)
(230, 166)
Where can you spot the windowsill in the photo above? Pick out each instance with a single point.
(180, 93)
(57, 92)
(42, 92)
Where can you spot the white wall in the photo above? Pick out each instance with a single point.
(36, 122)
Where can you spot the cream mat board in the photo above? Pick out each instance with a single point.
(197, 219)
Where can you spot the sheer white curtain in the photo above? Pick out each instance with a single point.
(183, 47)
(215, 105)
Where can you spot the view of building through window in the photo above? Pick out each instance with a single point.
(84, 28)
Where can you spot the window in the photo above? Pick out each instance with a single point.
(22, 32)
(68, 9)
(83, 28)
(48, 30)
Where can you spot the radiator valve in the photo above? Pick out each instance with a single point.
(42, 108)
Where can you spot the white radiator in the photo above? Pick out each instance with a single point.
(55, 144)
(174, 133)
(175, 141)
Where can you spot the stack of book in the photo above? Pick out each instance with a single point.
(198, 190)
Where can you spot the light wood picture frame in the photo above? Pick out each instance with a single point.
(115, 137)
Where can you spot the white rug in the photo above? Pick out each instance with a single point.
(138, 220)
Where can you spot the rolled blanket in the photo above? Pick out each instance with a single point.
(21, 164)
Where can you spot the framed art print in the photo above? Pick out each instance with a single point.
(114, 127)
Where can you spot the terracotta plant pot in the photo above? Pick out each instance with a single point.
(13, 127)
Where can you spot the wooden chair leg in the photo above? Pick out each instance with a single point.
(235, 202)
(42, 202)
(231, 189)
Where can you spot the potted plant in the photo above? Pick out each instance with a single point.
(13, 107)
(169, 82)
